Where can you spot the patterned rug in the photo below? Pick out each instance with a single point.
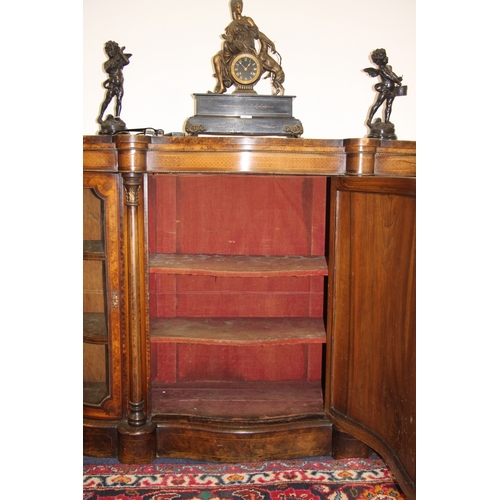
(350, 479)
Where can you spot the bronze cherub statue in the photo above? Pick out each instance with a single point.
(389, 88)
(239, 37)
(117, 59)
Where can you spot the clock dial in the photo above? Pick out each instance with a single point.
(245, 69)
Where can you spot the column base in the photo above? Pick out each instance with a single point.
(136, 445)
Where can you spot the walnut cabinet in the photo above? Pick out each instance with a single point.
(249, 298)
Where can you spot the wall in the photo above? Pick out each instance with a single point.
(324, 44)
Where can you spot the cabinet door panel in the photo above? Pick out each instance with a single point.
(371, 393)
(101, 308)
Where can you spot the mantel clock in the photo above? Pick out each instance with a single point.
(247, 56)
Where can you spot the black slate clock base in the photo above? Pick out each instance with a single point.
(230, 125)
(243, 114)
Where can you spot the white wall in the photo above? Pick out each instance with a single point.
(325, 44)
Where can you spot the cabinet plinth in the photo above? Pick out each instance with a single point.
(241, 293)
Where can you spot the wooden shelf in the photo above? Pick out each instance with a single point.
(238, 265)
(238, 331)
(238, 400)
(95, 329)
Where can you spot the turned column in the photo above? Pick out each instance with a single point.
(137, 434)
(132, 183)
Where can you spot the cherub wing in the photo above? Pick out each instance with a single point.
(372, 71)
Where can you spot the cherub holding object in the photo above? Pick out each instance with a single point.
(114, 84)
(388, 88)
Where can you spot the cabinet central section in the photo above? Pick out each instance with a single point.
(237, 274)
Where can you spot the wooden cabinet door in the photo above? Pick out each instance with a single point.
(102, 374)
(370, 390)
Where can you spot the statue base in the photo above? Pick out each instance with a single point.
(243, 114)
(382, 130)
(111, 125)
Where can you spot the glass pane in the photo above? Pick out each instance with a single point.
(95, 376)
(94, 294)
(93, 226)
(95, 324)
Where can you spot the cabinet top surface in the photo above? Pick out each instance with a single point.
(259, 155)
(235, 141)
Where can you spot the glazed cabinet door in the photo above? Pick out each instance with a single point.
(102, 391)
(370, 390)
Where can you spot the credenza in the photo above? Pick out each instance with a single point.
(249, 298)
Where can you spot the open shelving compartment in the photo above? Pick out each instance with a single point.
(237, 279)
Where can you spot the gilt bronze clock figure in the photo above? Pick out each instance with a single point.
(388, 88)
(238, 63)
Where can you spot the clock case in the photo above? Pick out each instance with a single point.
(245, 77)
(243, 114)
